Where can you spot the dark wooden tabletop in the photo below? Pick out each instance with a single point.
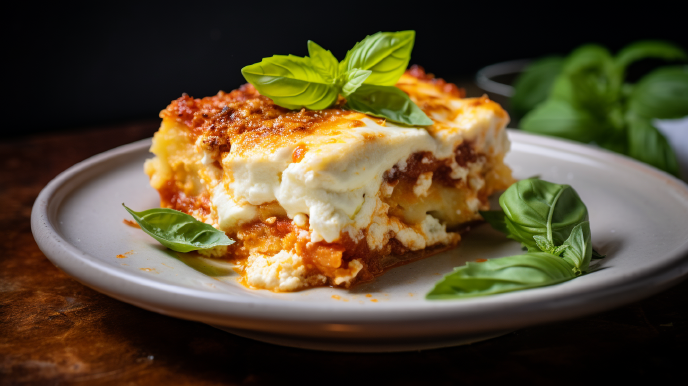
(54, 330)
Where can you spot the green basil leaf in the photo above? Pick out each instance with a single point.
(323, 61)
(661, 94)
(387, 102)
(547, 246)
(353, 79)
(649, 49)
(595, 94)
(543, 244)
(496, 219)
(179, 231)
(386, 54)
(536, 207)
(647, 144)
(534, 85)
(589, 57)
(557, 251)
(561, 119)
(589, 80)
(579, 251)
(513, 273)
(615, 141)
(563, 89)
(291, 82)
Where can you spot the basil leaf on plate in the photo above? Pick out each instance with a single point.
(534, 85)
(579, 248)
(649, 49)
(647, 144)
(387, 102)
(353, 79)
(536, 207)
(179, 231)
(550, 220)
(561, 119)
(291, 82)
(661, 94)
(386, 54)
(513, 273)
(323, 61)
(496, 219)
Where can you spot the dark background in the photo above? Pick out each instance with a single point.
(73, 66)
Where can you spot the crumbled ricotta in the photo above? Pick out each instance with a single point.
(422, 185)
(476, 182)
(387, 189)
(379, 231)
(434, 231)
(409, 237)
(344, 276)
(301, 220)
(473, 203)
(382, 227)
(282, 272)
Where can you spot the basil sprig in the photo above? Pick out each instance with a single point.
(179, 231)
(549, 220)
(366, 78)
(586, 97)
(540, 212)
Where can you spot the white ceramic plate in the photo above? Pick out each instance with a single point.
(639, 218)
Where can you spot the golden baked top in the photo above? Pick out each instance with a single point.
(244, 119)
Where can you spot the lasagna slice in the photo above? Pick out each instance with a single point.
(329, 197)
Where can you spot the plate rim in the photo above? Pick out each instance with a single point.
(385, 320)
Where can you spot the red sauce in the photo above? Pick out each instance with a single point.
(172, 197)
(132, 224)
(423, 162)
(299, 153)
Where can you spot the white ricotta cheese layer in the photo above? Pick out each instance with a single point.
(337, 181)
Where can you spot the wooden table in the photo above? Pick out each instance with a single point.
(54, 330)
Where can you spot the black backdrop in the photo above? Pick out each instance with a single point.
(71, 66)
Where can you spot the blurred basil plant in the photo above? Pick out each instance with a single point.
(586, 97)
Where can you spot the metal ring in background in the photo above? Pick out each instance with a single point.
(483, 78)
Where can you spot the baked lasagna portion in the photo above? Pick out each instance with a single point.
(329, 197)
